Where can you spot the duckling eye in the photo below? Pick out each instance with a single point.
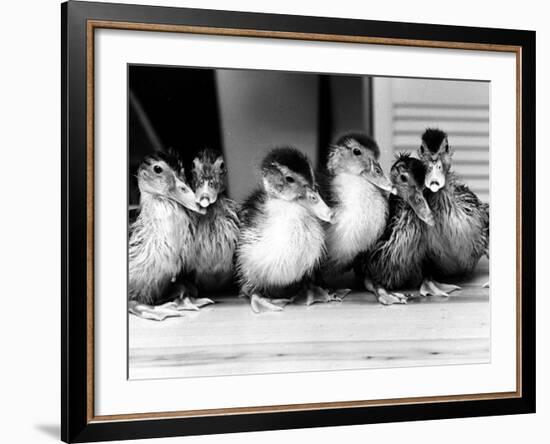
(157, 169)
(403, 178)
(357, 151)
(289, 179)
(222, 165)
(313, 198)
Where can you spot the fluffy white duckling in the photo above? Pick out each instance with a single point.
(282, 240)
(357, 190)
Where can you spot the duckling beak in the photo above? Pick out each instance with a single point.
(435, 179)
(182, 194)
(429, 219)
(434, 186)
(205, 195)
(320, 208)
(380, 181)
(422, 210)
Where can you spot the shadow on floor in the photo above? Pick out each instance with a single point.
(51, 430)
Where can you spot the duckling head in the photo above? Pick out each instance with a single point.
(358, 154)
(209, 174)
(436, 154)
(162, 176)
(407, 175)
(287, 174)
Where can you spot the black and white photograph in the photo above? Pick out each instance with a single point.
(278, 221)
(286, 222)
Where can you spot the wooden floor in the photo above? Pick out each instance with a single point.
(228, 338)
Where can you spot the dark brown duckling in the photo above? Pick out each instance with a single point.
(460, 236)
(397, 260)
(161, 240)
(282, 240)
(217, 231)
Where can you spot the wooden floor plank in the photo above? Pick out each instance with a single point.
(228, 338)
(303, 356)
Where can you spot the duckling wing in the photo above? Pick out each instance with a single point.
(395, 209)
(462, 234)
(470, 201)
(324, 179)
(397, 258)
(251, 208)
(465, 195)
(366, 259)
(485, 212)
(230, 220)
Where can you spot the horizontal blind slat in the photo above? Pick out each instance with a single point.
(467, 126)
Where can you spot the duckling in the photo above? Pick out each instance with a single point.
(461, 233)
(397, 259)
(216, 232)
(161, 238)
(357, 190)
(282, 240)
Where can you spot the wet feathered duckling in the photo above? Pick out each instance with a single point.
(397, 259)
(282, 240)
(357, 190)
(216, 232)
(460, 236)
(161, 239)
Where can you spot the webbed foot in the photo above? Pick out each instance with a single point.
(319, 294)
(154, 312)
(383, 296)
(432, 288)
(390, 298)
(193, 304)
(259, 303)
(185, 296)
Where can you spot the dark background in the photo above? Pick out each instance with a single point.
(243, 113)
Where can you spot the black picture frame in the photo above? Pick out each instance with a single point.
(77, 425)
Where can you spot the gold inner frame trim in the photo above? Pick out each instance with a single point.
(97, 24)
